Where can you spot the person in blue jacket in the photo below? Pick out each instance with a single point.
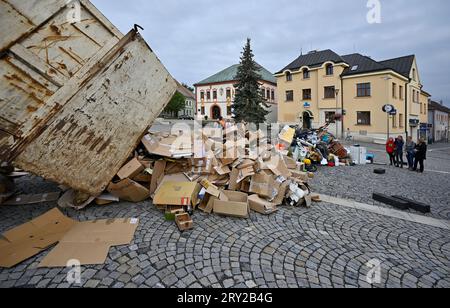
(399, 146)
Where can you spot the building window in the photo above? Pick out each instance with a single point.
(202, 96)
(330, 117)
(228, 93)
(401, 92)
(306, 74)
(215, 95)
(363, 117)
(363, 89)
(394, 90)
(307, 94)
(203, 111)
(288, 76)
(208, 95)
(228, 110)
(394, 121)
(330, 92)
(268, 94)
(289, 96)
(421, 108)
(273, 95)
(330, 69)
(401, 122)
(414, 74)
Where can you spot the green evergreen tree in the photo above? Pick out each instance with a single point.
(249, 104)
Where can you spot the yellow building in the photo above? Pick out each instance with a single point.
(349, 92)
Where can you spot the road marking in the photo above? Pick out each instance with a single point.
(433, 222)
(442, 172)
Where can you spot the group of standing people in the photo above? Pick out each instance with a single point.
(416, 154)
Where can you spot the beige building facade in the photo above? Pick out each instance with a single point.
(349, 92)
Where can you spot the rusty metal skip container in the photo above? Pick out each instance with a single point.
(76, 96)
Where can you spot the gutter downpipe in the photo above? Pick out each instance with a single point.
(406, 108)
(342, 108)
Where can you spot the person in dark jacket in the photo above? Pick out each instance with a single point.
(421, 155)
(399, 145)
(410, 152)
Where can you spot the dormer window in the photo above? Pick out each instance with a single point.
(330, 69)
(414, 74)
(306, 74)
(288, 76)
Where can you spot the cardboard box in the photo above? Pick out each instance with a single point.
(290, 162)
(207, 204)
(129, 190)
(234, 176)
(31, 238)
(184, 222)
(131, 169)
(143, 177)
(245, 173)
(177, 193)
(262, 185)
(157, 175)
(210, 188)
(89, 242)
(261, 206)
(303, 176)
(236, 206)
(282, 191)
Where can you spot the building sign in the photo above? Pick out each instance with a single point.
(307, 105)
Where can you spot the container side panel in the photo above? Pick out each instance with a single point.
(92, 137)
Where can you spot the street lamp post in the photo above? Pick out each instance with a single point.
(387, 102)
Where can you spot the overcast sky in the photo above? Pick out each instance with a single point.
(197, 38)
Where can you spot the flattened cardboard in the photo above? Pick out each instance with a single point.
(32, 199)
(129, 190)
(303, 176)
(222, 170)
(68, 200)
(105, 199)
(131, 169)
(31, 238)
(153, 146)
(157, 175)
(177, 193)
(89, 242)
(261, 206)
(237, 206)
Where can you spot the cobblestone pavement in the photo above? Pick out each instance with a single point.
(359, 183)
(325, 246)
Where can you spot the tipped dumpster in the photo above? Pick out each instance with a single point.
(76, 96)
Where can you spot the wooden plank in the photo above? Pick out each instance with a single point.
(96, 131)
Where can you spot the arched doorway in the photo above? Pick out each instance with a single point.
(216, 113)
(307, 119)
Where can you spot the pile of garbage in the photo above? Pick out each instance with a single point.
(230, 173)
